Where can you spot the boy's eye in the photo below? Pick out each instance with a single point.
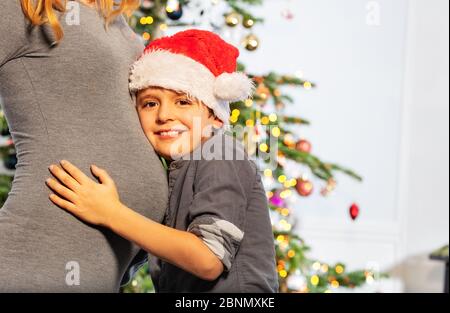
(184, 102)
(150, 104)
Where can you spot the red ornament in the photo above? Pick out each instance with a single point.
(304, 187)
(304, 146)
(354, 211)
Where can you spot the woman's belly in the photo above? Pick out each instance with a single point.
(41, 245)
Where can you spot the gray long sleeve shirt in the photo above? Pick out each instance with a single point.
(222, 201)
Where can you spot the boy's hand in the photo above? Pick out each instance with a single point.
(91, 202)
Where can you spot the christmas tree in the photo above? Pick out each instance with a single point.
(266, 132)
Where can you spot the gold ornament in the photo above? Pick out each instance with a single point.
(248, 22)
(251, 42)
(232, 19)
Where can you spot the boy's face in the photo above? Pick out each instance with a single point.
(174, 124)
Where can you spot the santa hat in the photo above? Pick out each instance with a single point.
(198, 63)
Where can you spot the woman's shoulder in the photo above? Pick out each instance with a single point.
(11, 13)
(122, 23)
(13, 29)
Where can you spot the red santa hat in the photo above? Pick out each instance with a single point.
(198, 63)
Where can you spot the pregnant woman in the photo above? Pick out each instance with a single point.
(64, 89)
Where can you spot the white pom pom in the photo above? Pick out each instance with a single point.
(233, 87)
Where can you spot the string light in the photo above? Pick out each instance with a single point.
(315, 280)
(285, 212)
(273, 117)
(146, 20)
(250, 123)
(291, 253)
(307, 85)
(248, 103)
(282, 178)
(285, 225)
(265, 120)
(316, 266)
(339, 269)
(264, 147)
(268, 173)
(285, 194)
(276, 132)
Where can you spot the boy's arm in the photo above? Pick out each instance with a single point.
(99, 204)
(183, 249)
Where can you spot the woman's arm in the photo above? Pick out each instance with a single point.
(99, 204)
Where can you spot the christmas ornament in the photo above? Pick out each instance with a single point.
(304, 187)
(174, 10)
(287, 14)
(248, 22)
(303, 146)
(354, 211)
(276, 200)
(251, 42)
(232, 19)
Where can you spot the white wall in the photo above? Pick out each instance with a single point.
(381, 108)
(424, 192)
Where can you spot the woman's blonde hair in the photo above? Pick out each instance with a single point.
(41, 12)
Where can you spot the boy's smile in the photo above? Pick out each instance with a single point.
(174, 123)
(171, 133)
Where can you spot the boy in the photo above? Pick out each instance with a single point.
(217, 235)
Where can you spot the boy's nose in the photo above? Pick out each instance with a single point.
(164, 114)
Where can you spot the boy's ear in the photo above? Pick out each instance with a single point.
(217, 123)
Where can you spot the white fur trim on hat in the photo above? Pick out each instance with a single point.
(180, 73)
(233, 87)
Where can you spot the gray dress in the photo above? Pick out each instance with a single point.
(70, 101)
